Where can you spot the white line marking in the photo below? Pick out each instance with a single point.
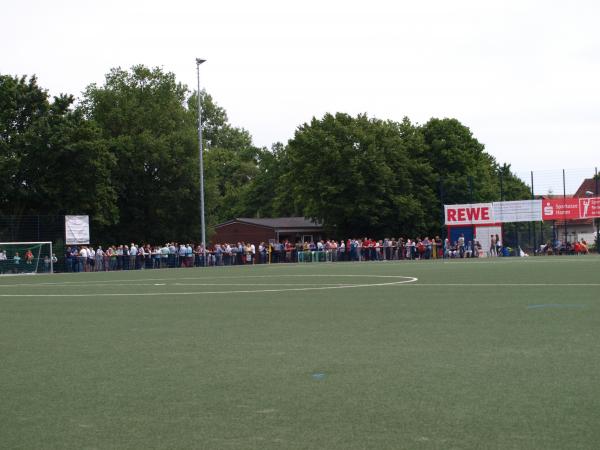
(150, 281)
(254, 284)
(179, 284)
(507, 284)
(245, 291)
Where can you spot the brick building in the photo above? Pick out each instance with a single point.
(252, 230)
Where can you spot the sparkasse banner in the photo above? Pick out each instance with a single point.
(571, 208)
(589, 207)
(560, 208)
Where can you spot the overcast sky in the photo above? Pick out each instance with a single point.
(522, 75)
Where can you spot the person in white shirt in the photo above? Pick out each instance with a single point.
(228, 252)
(91, 258)
(164, 256)
(99, 259)
(141, 256)
(133, 251)
(83, 255)
(3, 258)
(189, 255)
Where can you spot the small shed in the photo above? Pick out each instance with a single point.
(244, 229)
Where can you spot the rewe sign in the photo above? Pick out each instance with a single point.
(469, 214)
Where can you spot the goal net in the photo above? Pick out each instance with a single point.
(26, 258)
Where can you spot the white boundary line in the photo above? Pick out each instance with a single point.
(506, 284)
(245, 291)
(149, 281)
(152, 284)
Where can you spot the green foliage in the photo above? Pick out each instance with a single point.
(366, 176)
(512, 188)
(353, 174)
(152, 135)
(52, 160)
(128, 157)
(150, 122)
(460, 162)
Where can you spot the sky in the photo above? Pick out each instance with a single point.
(522, 75)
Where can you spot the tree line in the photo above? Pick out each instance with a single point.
(126, 154)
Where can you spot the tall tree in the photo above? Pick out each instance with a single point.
(52, 160)
(151, 133)
(354, 174)
(460, 161)
(232, 163)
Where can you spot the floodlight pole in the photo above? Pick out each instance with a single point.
(202, 224)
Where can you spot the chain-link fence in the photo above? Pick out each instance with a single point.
(555, 236)
(561, 235)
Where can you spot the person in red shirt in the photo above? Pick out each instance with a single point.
(366, 250)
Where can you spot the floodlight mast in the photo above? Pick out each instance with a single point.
(201, 164)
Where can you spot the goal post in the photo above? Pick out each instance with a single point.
(26, 258)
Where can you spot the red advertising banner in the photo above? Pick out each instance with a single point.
(571, 208)
(589, 207)
(469, 214)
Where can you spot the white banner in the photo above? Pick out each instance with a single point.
(518, 211)
(77, 230)
(492, 213)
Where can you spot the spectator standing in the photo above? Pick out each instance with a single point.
(99, 259)
(133, 251)
(493, 251)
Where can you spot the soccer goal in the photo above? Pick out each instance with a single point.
(26, 258)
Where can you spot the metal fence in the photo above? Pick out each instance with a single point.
(159, 260)
(561, 235)
(534, 238)
(409, 251)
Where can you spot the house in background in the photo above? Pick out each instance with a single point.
(243, 229)
(578, 229)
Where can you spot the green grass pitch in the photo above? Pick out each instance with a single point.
(494, 354)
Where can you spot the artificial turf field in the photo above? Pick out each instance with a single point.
(474, 354)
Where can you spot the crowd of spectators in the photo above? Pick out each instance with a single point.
(86, 258)
(559, 247)
(171, 255)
